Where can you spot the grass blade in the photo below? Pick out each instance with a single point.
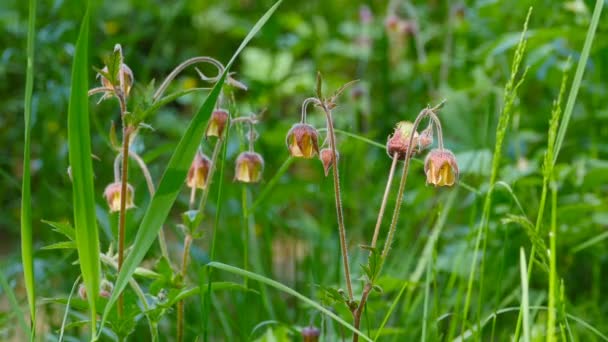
(525, 303)
(288, 290)
(79, 140)
(174, 176)
(27, 248)
(578, 77)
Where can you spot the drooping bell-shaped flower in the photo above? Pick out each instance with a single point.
(199, 171)
(112, 195)
(441, 168)
(249, 167)
(310, 334)
(217, 123)
(302, 141)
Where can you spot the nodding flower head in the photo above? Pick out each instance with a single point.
(124, 80)
(249, 167)
(199, 171)
(112, 195)
(302, 141)
(326, 156)
(399, 142)
(310, 334)
(441, 168)
(217, 123)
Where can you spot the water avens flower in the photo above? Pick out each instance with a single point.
(399, 141)
(217, 123)
(105, 289)
(441, 168)
(310, 334)
(326, 156)
(199, 171)
(112, 195)
(302, 141)
(249, 167)
(425, 139)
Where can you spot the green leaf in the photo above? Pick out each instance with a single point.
(79, 142)
(62, 228)
(27, 248)
(578, 77)
(61, 245)
(288, 290)
(174, 176)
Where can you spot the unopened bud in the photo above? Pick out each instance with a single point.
(326, 156)
(82, 292)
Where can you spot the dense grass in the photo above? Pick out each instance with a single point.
(514, 250)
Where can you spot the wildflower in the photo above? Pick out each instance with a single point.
(399, 141)
(112, 195)
(217, 123)
(326, 156)
(310, 334)
(199, 171)
(302, 141)
(249, 167)
(441, 168)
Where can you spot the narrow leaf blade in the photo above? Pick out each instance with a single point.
(79, 140)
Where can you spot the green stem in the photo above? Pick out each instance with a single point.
(245, 232)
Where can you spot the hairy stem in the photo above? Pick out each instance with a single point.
(180, 304)
(339, 211)
(384, 200)
(122, 220)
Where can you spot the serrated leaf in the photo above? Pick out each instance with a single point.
(62, 228)
(61, 245)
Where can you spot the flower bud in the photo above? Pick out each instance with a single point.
(399, 141)
(217, 123)
(82, 292)
(310, 334)
(105, 289)
(249, 167)
(326, 156)
(302, 141)
(124, 79)
(199, 171)
(441, 168)
(112, 195)
(425, 139)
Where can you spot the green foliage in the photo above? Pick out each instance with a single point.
(532, 174)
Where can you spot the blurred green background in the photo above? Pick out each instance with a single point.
(455, 50)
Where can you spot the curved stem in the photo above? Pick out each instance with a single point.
(384, 200)
(305, 106)
(195, 60)
(151, 189)
(408, 155)
(339, 211)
